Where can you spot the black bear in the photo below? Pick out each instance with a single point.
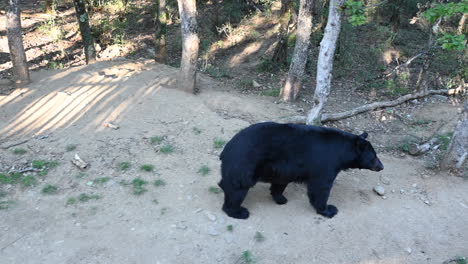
(283, 153)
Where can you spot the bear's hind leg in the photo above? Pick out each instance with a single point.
(276, 191)
(232, 203)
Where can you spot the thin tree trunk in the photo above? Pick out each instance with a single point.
(161, 31)
(421, 82)
(325, 62)
(83, 21)
(280, 53)
(190, 42)
(293, 83)
(461, 24)
(457, 153)
(49, 7)
(15, 43)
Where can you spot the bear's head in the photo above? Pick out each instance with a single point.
(367, 158)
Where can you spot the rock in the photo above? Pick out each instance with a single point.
(408, 250)
(384, 197)
(213, 232)
(427, 202)
(414, 185)
(379, 190)
(402, 191)
(385, 180)
(415, 101)
(256, 84)
(210, 216)
(383, 118)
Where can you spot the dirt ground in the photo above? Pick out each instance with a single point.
(421, 219)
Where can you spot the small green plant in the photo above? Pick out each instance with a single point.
(38, 164)
(50, 189)
(230, 228)
(5, 205)
(214, 189)
(19, 151)
(101, 180)
(11, 178)
(159, 182)
(72, 201)
(155, 201)
(70, 147)
(219, 143)
(204, 170)
(259, 237)
(56, 65)
(196, 130)
(138, 188)
(28, 181)
(247, 257)
(406, 143)
(81, 175)
(444, 140)
(355, 12)
(164, 210)
(166, 149)
(147, 167)
(271, 92)
(125, 165)
(83, 197)
(43, 172)
(156, 139)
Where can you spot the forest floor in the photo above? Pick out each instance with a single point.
(101, 215)
(116, 212)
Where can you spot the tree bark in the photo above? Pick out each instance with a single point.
(461, 24)
(293, 83)
(49, 7)
(325, 62)
(190, 43)
(280, 53)
(160, 32)
(85, 30)
(457, 152)
(372, 106)
(15, 43)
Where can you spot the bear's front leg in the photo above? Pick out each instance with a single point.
(318, 192)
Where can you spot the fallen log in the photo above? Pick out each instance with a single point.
(418, 149)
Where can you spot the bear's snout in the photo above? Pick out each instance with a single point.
(378, 165)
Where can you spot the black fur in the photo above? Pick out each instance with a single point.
(284, 153)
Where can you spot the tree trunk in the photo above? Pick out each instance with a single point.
(325, 62)
(15, 43)
(280, 53)
(461, 24)
(457, 152)
(83, 21)
(161, 30)
(49, 7)
(296, 70)
(190, 42)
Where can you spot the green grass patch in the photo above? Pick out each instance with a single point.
(125, 165)
(444, 140)
(230, 228)
(159, 182)
(147, 167)
(28, 181)
(167, 149)
(72, 201)
(259, 237)
(138, 186)
(196, 130)
(83, 197)
(204, 170)
(214, 189)
(271, 92)
(19, 151)
(11, 178)
(157, 139)
(219, 143)
(101, 180)
(247, 257)
(50, 189)
(406, 143)
(5, 205)
(70, 147)
(38, 164)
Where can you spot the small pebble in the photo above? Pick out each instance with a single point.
(427, 202)
(409, 250)
(379, 190)
(414, 185)
(210, 216)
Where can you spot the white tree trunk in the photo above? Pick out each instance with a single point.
(296, 69)
(190, 41)
(325, 62)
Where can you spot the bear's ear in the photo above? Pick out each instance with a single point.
(363, 135)
(361, 144)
